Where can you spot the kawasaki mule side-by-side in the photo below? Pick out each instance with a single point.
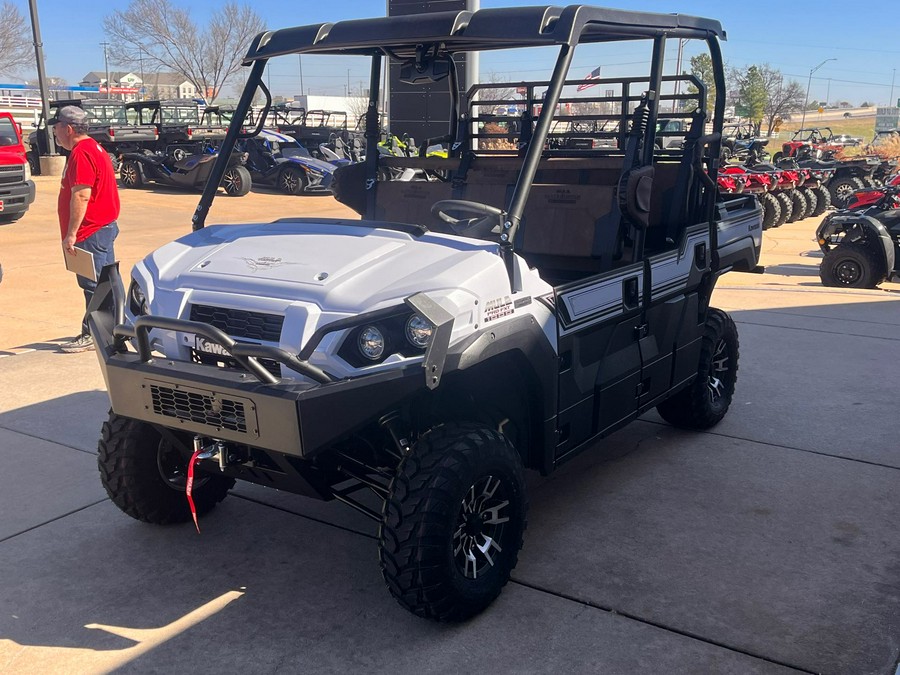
(503, 312)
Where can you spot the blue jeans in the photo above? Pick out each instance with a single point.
(101, 245)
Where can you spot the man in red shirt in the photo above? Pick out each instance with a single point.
(88, 204)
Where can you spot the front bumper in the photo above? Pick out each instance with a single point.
(253, 408)
(16, 198)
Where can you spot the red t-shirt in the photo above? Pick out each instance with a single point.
(90, 165)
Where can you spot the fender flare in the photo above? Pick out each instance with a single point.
(856, 227)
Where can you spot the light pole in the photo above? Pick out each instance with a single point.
(141, 59)
(808, 83)
(106, 64)
(42, 77)
(891, 97)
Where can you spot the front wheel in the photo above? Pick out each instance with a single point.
(800, 205)
(842, 190)
(771, 210)
(453, 523)
(236, 181)
(852, 265)
(705, 402)
(145, 475)
(823, 200)
(291, 181)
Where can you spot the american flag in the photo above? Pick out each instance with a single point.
(594, 75)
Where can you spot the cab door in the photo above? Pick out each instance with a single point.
(599, 357)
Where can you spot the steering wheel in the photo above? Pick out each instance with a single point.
(179, 154)
(483, 217)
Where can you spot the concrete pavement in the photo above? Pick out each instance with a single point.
(766, 545)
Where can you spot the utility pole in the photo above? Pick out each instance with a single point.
(42, 77)
(828, 93)
(808, 83)
(106, 64)
(348, 81)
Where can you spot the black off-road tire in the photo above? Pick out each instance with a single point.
(869, 182)
(823, 200)
(852, 265)
(800, 206)
(787, 207)
(457, 479)
(842, 189)
(291, 180)
(133, 458)
(777, 157)
(706, 400)
(131, 175)
(237, 181)
(811, 201)
(771, 210)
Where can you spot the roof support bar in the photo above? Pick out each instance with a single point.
(533, 156)
(198, 221)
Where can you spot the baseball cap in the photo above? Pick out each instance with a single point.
(68, 114)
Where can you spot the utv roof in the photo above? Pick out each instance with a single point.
(485, 29)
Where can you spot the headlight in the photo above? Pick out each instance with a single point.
(137, 301)
(418, 331)
(27, 170)
(371, 343)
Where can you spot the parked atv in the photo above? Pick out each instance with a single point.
(862, 244)
(189, 168)
(280, 161)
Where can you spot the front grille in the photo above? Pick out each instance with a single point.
(193, 406)
(240, 323)
(13, 173)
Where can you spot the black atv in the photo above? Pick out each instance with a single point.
(862, 245)
(183, 167)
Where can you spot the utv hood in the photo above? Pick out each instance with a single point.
(338, 265)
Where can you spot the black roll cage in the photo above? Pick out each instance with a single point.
(482, 30)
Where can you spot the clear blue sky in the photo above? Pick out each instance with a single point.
(793, 37)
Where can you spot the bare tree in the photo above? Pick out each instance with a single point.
(16, 48)
(783, 97)
(497, 92)
(161, 36)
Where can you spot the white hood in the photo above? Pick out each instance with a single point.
(339, 265)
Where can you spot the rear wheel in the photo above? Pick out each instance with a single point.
(236, 181)
(146, 476)
(823, 200)
(852, 265)
(291, 181)
(452, 525)
(130, 175)
(705, 402)
(777, 157)
(771, 210)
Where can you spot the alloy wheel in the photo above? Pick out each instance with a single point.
(479, 526)
(717, 378)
